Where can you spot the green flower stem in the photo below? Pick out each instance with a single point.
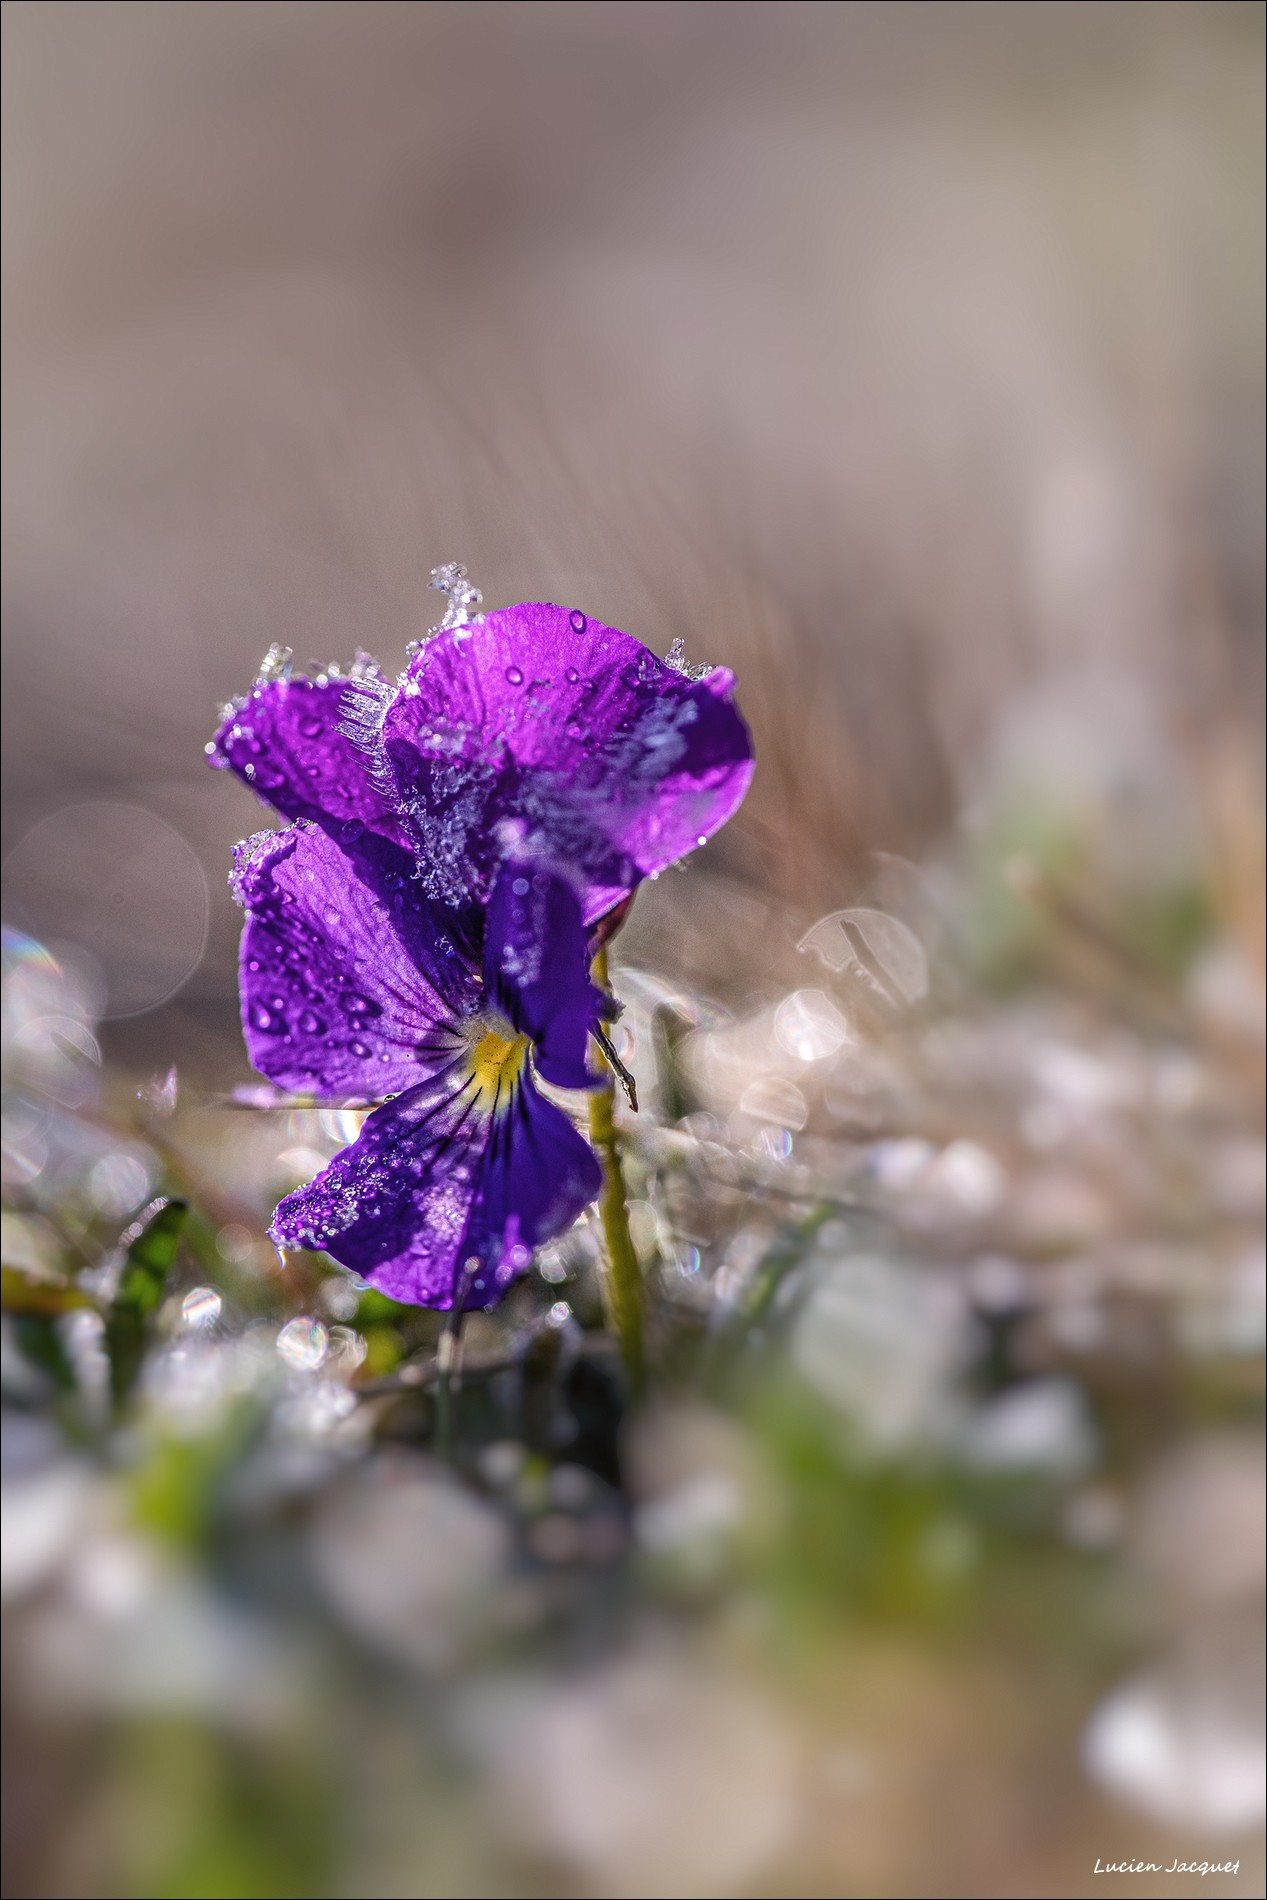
(622, 1282)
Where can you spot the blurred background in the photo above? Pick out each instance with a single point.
(907, 359)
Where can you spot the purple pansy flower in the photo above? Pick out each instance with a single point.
(532, 729)
(355, 984)
(420, 932)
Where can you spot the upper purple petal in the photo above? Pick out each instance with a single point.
(292, 742)
(537, 728)
(536, 969)
(350, 977)
(438, 1201)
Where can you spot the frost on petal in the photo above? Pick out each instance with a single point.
(308, 748)
(541, 730)
(536, 968)
(439, 1201)
(349, 977)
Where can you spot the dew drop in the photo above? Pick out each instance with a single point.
(577, 622)
(311, 726)
(359, 1049)
(514, 676)
(200, 1307)
(312, 1024)
(572, 676)
(303, 1344)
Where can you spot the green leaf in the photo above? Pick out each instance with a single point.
(141, 1288)
(25, 1292)
(38, 1340)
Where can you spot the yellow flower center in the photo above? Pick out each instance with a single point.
(496, 1060)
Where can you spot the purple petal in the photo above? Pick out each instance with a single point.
(439, 1200)
(292, 742)
(350, 978)
(536, 969)
(537, 729)
(538, 1175)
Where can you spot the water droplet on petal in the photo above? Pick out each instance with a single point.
(312, 1024)
(514, 676)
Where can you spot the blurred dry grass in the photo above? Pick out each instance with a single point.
(905, 357)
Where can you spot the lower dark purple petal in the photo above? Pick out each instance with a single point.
(292, 742)
(538, 1174)
(394, 1207)
(536, 969)
(439, 1200)
(350, 979)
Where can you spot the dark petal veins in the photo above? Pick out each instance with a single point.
(538, 1174)
(434, 1182)
(536, 969)
(350, 979)
(537, 728)
(287, 744)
